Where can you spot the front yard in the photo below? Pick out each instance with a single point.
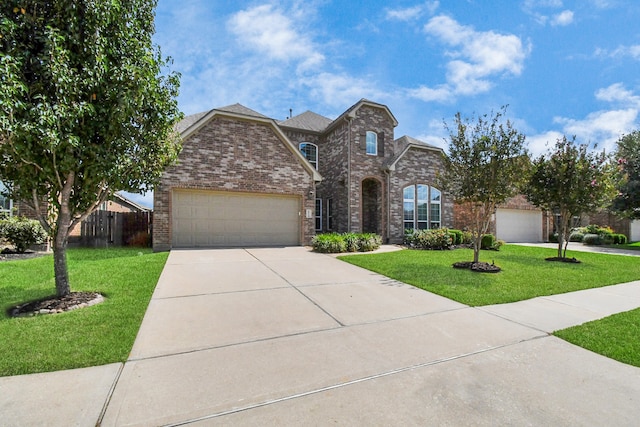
(525, 275)
(90, 336)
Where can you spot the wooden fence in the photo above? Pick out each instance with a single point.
(104, 228)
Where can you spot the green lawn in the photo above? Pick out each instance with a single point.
(525, 272)
(90, 336)
(614, 336)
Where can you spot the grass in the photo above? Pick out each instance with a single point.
(614, 336)
(90, 336)
(525, 272)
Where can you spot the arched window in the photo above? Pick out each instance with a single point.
(421, 207)
(310, 152)
(372, 143)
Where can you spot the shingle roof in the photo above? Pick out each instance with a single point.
(192, 119)
(188, 121)
(307, 121)
(406, 140)
(241, 109)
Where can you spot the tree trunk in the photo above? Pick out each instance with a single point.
(61, 237)
(60, 264)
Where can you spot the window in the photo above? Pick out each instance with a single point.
(329, 214)
(310, 152)
(6, 204)
(421, 207)
(409, 206)
(372, 143)
(435, 208)
(318, 214)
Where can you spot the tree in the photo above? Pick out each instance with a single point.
(568, 181)
(85, 109)
(627, 201)
(485, 164)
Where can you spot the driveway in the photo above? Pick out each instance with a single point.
(285, 336)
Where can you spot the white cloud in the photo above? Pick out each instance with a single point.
(271, 32)
(632, 51)
(412, 13)
(539, 144)
(338, 90)
(618, 93)
(563, 18)
(477, 56)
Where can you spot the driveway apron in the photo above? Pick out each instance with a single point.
(286, 336)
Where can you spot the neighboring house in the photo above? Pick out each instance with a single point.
(243, 179)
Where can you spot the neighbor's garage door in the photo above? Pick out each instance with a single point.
(210, 219)
(514, 225)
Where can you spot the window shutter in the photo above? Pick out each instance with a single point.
(363, 141)
(381, 144)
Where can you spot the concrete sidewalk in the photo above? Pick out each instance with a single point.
(285, 336)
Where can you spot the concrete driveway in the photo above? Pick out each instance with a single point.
(285, 336)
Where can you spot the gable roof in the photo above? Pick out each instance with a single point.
(191, 124)
(405, 143)
(124, 200)
(351, 111)
(307, 121)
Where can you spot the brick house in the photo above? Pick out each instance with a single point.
(243, 179)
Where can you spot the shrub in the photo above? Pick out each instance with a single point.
(347, 242)
(329, 243)
(140, 239)
(619, 239)
(553, 237)
(457, 236)
(488, 241)
(368, 242)
(22, 232)
(592, 239)
(576, 236)
(435, 239)
(467, 237)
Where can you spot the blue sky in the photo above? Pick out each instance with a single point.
(563, 67)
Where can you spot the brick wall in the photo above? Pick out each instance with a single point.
(416, 166)
(230, 154)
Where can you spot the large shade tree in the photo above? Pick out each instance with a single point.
(627, 201)
(487, 160)
(87, 108)
(568, 181)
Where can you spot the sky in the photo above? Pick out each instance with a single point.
(562, 67)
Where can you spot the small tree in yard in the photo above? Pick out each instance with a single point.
(84, 108)
(569, 181)
(627, 202)
(486, 162)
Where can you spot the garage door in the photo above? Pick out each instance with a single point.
(215, 219)
(514, 225)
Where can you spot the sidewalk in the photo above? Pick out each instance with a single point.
(285, 336)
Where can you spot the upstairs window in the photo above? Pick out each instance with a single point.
(372, 143)
(310, 152)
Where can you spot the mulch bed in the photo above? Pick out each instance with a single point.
(53, 305)
(561, 259)
(10, 255)
(478, 267)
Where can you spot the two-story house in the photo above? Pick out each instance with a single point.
(243, 179)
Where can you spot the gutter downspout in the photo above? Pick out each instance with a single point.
(388, 225)
(348, 119)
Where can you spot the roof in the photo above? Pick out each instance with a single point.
(131, 203)
(307, 121)
(404, 144)
(192, 119)
(241, 109)
(186, 122)
(351, 112)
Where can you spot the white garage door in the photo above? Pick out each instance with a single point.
(218, 219)
(514, 225)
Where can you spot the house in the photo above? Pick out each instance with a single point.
(244, 179)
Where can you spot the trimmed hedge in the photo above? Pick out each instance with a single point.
(346, 242)
(458, 236)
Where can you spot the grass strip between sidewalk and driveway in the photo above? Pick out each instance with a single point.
(615, 336)
(525, 273)
(90, 336)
